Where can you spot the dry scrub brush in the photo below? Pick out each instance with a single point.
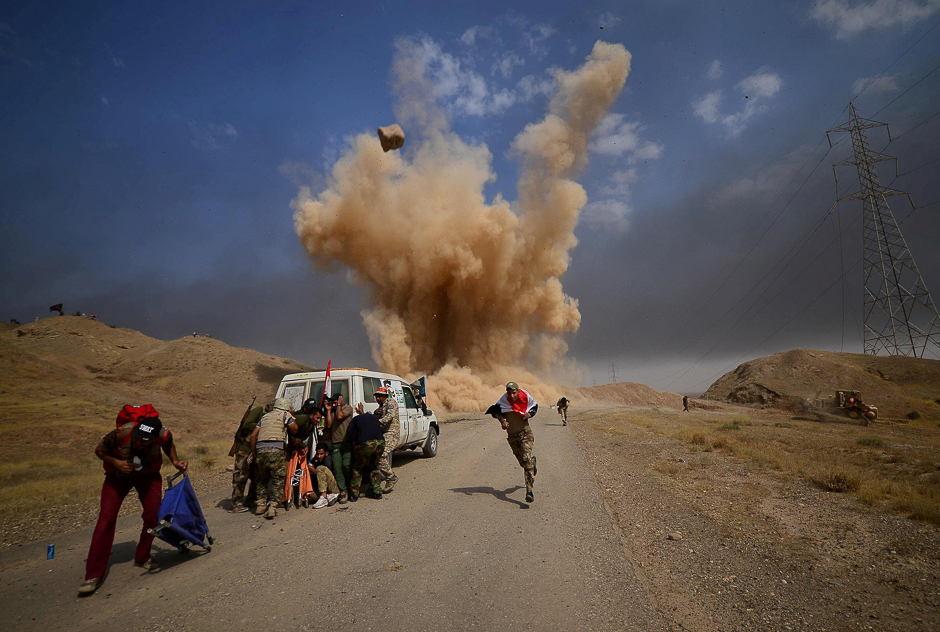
(887, 466)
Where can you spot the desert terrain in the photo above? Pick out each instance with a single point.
(743, 514)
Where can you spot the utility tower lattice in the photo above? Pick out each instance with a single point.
(613, 373)
(900, 317)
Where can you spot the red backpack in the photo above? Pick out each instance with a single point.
(133, 414)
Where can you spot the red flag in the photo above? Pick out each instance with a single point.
(327, 385)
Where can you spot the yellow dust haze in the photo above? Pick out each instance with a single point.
(460, 287)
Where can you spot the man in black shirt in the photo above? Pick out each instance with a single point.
(369, 445)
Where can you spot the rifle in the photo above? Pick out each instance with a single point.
(231, 452)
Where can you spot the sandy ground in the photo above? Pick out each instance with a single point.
(453, 548)
(629, 531)
(756, 549)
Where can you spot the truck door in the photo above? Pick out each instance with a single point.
(415, 418)
(404, 423)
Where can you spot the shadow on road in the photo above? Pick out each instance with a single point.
(502, 494)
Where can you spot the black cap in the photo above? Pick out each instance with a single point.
(147, 428)
(310, 404)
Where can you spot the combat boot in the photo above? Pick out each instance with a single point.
(271, 512)
(529, 496)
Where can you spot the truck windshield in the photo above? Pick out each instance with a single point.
(340, 387)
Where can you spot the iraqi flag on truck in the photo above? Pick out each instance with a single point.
(327, 385)
(420, 386)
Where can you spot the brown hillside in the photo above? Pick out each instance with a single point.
(63, 379)
(630, 394)
(896, 385)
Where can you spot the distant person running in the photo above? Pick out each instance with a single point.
(685, 403)
(562, 406)
(513, 410)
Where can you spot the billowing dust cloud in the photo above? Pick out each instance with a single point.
(462, 288)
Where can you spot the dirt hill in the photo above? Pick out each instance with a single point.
(630, 394)
(896, 385)
(63, 379)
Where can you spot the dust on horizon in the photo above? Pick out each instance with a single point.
(460, 288)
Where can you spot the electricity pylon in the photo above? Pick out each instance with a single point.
(900, 317)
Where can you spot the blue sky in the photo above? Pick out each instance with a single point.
(150, 156)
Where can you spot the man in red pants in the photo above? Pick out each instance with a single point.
(132, 460)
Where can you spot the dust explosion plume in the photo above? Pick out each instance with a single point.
(460, 287)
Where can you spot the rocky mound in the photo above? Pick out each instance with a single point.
(79, 372)
(64, 378)
(896, 385)
(630, 394)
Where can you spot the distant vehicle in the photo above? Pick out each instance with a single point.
(419, 429)
(844, 402)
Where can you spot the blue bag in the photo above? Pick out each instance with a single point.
(181, 521)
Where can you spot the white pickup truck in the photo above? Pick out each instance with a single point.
(419, 429)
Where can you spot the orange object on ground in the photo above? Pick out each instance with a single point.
(297, 473)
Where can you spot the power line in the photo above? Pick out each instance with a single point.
(782, 327)
(735, 327)
(916, 83)
(741, 262)
(895, 61)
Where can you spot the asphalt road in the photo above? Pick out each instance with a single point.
(455, 547)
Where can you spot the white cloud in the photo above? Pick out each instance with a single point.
(707, 107)
(614, 137)
(606, 215)
(619, 184)
(117, 61)
(212, 135)
(104, 100)
(849, 20)
(763, 83)
(535, 38)
(532, 86)
(470, 36)
(757, 89)
(457, 86)
(884, 84)
(715, 71)
(617, 138)
(766, 184)
(12, 46)
(607, 20)
(505, 64)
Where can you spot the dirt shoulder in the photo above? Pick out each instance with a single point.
(755, 548)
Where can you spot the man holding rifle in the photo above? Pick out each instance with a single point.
(241, 450)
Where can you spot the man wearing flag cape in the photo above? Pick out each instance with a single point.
(513, 410)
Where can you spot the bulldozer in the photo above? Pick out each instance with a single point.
(845, 402)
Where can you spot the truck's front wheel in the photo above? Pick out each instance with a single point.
(430, 444)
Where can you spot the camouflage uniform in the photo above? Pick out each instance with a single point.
(326, 482)
(272, 469)
(562, 406)
(241, 473)
(366, 460)
(391, 429)
(521, 443)
(240, 477)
